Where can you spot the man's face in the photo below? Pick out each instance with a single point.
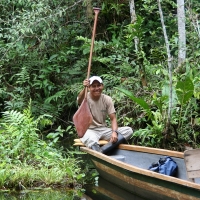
(96, 89)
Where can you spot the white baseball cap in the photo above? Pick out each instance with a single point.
(95, 78)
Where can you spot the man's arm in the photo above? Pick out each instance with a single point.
(81, 95)
(114, 126)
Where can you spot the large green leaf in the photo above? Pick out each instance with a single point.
(140, 102)
(166, 92)
(184, 90)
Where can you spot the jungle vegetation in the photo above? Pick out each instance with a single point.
(147, 53)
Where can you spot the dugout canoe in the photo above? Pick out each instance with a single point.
(127, 167)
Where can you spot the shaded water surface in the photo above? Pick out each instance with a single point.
(48, 194)
(103, 190)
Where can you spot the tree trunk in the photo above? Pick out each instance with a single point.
(181, 32)
(89, 9)
(169, 69)
(136, 41)
(133, 19)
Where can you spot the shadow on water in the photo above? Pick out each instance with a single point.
(108, 191)
(102, 191)
(47, 194)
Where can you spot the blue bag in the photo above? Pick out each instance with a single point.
(166, 165)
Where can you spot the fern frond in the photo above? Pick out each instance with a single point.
(23, 76)
(13, 117)
(55, 97)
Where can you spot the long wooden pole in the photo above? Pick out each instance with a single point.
(83, 117)
(96, 11)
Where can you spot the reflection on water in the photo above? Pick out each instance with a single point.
(102, 191)
(40, 195)
(108, 191)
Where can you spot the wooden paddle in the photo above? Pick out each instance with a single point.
(83, 117)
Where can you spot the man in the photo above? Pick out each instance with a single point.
(101, 106)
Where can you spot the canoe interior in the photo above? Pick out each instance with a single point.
(144, 160)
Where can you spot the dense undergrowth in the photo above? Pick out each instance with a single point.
(30, 161)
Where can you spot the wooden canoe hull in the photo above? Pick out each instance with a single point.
(140, 181)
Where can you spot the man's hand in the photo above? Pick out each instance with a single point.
(114, 137)
(81, 95)
(86, 83)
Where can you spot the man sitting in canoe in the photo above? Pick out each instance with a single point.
(101, 106)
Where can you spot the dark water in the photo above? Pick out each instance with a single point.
(102, 190)
(47, 194)
(105, 190)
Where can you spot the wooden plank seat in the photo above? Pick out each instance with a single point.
(77, 142)
(192, 163)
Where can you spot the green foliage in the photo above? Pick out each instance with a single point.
(38, 54)
(153, 133)
(29, 160)
(141, 102)
(45, 47)
(20, 133)
(44, 51)
(184, 90)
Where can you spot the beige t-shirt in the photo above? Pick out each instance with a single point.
(100, 109)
